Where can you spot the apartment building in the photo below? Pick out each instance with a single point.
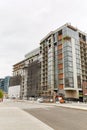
(33, 73)
(29, 70)
(64, 62)
(59, 65)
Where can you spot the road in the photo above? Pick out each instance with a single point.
(54, 116)
(12, 116)
(61, 118)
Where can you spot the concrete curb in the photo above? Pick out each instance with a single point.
(72, 107)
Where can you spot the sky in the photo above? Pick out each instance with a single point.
(23, 23)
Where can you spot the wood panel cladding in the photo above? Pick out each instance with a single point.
(60, 76)
(60, 56)
(60, 37)
(60, 66)
(61, 86)
(59, 46)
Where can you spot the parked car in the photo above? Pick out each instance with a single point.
(40, 100)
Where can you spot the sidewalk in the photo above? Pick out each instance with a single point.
(80, 106)
(13, 118)
(77, 105)
(72, 105)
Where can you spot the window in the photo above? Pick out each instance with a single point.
(67, 53)
(54, 38)
(78, 66)
(49, 40)
(71, 85)
(60, 61)
(68, 63)
(67, 43)
(69, 82)
(69, 74)
(77, 47)
(78, 71)
(60, 81)
(60, 71)
(67, 49)
(79, 81)
(49, 45)
(67, 58)
(60, 32)
(59, 51)
(70, 69)
(78, 61)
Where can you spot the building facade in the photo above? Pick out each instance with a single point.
(62, 64)
(29, 70)
(64, 61)
(4, 84)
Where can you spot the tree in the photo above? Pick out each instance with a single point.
(1, 94)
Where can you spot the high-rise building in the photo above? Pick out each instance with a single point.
(62, 64)
(29, 71)
(4, 84)
(64, 61)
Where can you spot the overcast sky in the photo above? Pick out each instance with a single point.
(23, 23)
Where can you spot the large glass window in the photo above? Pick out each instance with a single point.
(60, 61)
(67, 53)
(67, 43)
(67, 58)
(78, 71)
(68, 48)
(68, 68)
(69, 82)
(70, 32)
(77, 52)
(69, 74)
(68, 63)
(79, 81)
(77, 47)
(78, 61)
(60, 81)
(60, 71)
(78, 66)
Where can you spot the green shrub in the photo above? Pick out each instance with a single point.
(1, 94)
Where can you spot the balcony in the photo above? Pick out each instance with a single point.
(82, 41)
(60, 37)
(67, 37)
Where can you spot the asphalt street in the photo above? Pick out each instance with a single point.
(61, 118)
(12, 116)
(30, 115)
